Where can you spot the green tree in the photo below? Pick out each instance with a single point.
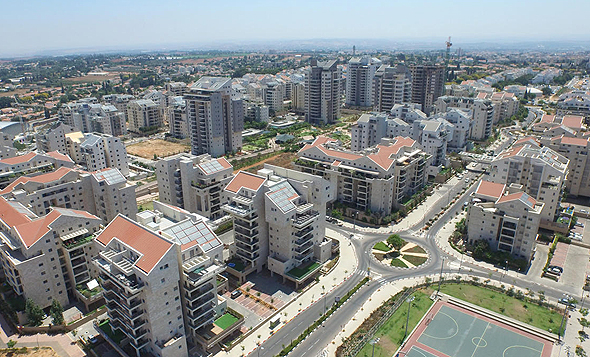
(336, 214)
(34, 313)
(583, 322)
(396, 241)
(11, 343)
(546, 91)
(57, 313)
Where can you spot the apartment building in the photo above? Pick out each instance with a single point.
(143, 114)
(178, 118)
(278, 222)
(87, 115)
(576, 151)
(539, 171)
(31, 163)
(359, 80)
(482, 113)
(505, 104)
(258, 112)
(461, 121)
(103, 193)
(216, 121)
(323, 92)
(47, 257)
(272, 95)
(433, 137)
(139, 271)
(391, 86)
(505, 217)
(368, 130)
(427, 84)
(375, 179)
(120, 101)
(176, 89)
(194, 183)
(52, 137)
(408, 112)
(298, 97)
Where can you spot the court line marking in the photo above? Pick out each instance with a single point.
(481, 339)
(527, 347)
(444, 338)
(419, 350)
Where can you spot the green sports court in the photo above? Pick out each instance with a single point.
(452, 331)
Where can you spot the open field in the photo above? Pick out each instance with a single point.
(19, 91)
(162, 148)
(285, 160)
(91, 79)
(29, 352)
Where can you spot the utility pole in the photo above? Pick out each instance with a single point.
(565, 310)
(374, 342)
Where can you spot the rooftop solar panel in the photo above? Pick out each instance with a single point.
(211, 166)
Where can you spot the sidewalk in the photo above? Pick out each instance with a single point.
(346, 266)
(62, 344)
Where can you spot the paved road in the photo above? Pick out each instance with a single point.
(321, 337)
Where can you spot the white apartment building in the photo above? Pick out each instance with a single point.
(272, 95)
(391, 86)
(103, 193)
(377, 178)
(505, 217)
(98, 152)
(505, 104)
(140, 274)
(178, 118)
(52, 137)
(216, 121)
(47, 257)
(120, 101)
(576, 151)
(538, 171)
(368, 130)
(194, 183)
(323, 92)
(258, 112)
(87, 115)
(482, 113)
(359, 81)
(433, 137)
(31, 163)
(144, 113)
(298, 97)
(461, 121)
(278, 222)
(176, 89)
(408, 112)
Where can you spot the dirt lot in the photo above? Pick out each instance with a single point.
(31, 352)
(92, 79)
(19, 92)
(282, 160)
(159, 147)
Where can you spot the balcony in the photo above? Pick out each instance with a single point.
(300, 221)
(76, 239)
(239, 211)
(302, 209)
(248, 256)
(197, 274)
(304, 247)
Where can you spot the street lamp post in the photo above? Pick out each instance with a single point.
(409, 300)
(567, 305)
(259, 348)
(355, 213)
(374, 342)
(440, 277)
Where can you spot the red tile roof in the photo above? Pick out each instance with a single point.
(574, 141)
(383, 157)
(490, 189)
(10, 215)
(151, 246)
(319, 143)
(546, 118)
(44, 178)
(19, 159)
(527, 140)
(573, 121)
(58, 156)
(517, 196)
(245, 179)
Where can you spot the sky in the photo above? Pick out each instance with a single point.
(34, 26)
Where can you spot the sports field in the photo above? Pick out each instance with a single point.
(449, 330)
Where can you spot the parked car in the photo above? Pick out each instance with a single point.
(555, 269)
(567, 302)
(235, 294)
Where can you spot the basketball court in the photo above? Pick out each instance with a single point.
(449, 330)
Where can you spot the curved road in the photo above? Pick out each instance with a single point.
(321, 337)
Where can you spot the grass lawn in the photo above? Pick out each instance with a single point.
(416, 249)
(226, 320)
(382, 246)
(398, 263)
(415, 260)
(392, 332)
(116, 336)
(303, 270)
(529, 313)
(148, 206)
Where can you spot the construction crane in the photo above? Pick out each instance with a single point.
(447, 57)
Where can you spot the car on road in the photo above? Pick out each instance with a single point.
(567, 302)
(584, 211)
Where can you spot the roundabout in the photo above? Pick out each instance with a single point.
(410, 255)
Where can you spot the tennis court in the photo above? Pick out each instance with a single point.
(450, 330)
